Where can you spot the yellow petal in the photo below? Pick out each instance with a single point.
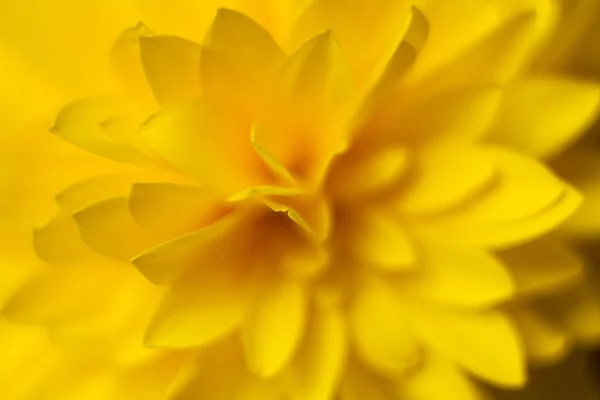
(543, 115)
(81, 124)
(166, 262)
(459, 276)
(172, 210)
(543, 266)
(365, 32)
(177, 129)
(58, 242)
(89, 191)
(172, 67)
(525, 187)
(495, 59)
(308, 127)
(198, 311)
(108, 228)
(545, 342)
(380, 240)
(459, 114)
(484, 343)
(239, 61)
(274, 328)
(126, 59)
(317, 368)
(426, 384)
(509, 234)
(379, 328)
(47, 295)
(363, 175)
(466, 167)
(468, 20)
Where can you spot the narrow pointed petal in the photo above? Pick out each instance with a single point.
(273, 330)
(543, 115)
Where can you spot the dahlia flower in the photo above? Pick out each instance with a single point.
(307, 200)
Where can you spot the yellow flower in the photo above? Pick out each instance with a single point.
(325, 200)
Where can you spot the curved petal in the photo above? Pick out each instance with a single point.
(425, 384)
(545, 342)
(379, 328)
(59, 242)
(165, 263)
(273, 330)
(172, 210)
(317, 368)
(543, 266)
(379, 239)
(459, 276)
(484, 343)
(81, 124)
(544, 114)
(364, 32)
(198, 311)
(172, 66)
(445, 175)
(108, 228)
(198, 139)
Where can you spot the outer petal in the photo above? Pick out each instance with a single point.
(81, 124)
(426, 383)
(445, 175)
(198, 311)
(543, 115)
(545, 341)
(317, 368)
(484, 343)
(166, 262)
(274, 328)
(109, 228)
(378, 238)
(543, 266)
(379, 327)
(171, 210)
(172, 67)
(176, 130)
(459, 276)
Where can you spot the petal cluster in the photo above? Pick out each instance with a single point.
(362, 202)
